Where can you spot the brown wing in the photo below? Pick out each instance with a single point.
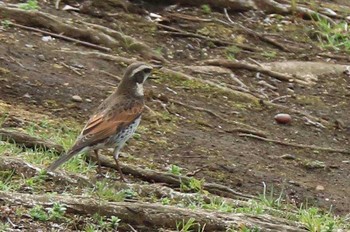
(104, 124)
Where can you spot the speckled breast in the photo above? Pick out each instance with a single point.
(125, 134)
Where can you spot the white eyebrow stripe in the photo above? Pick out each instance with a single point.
(140, 69)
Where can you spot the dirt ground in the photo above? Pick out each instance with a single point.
(34, 76)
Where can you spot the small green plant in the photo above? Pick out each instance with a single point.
(103, 191)
(176, 170)
(316, 221)
(29, 5)
(106, 224)
(165, 201)
(57, 211)
(5, 180)
(38, 213)
(4, 226)
(216, 203)
(270, 200)
(90, 228)
(192, 185)
(269, 54)
(114, 222)
(206, 9)
(189, 226)
(231, 52)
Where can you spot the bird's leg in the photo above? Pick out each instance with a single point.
(99, 171)
(116, 156)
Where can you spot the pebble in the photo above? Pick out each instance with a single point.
(77, 98)
(27, 95)
(319, 188)
(41, 57)
(88, 100)
(288, 157)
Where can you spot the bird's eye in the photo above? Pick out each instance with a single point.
(147, 71)
(139, 77)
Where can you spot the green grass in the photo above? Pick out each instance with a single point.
(174, 169)
(105, 191)
(206, 9)
(192, 185)
(29, 5)
(336, 37)
(189, 226)
(102, 223)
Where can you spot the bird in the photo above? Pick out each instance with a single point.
(115, 120)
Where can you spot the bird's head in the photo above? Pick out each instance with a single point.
(135, 76)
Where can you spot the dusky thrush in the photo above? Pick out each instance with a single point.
(115, 120)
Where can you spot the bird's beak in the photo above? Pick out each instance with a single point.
(153, 78)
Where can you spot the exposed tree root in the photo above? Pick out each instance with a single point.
(239, 65)
(143, 190)
(27, 170)
(115, 58)
(148, 175)
(327, 149)
(170, 179)
(127, 42)
(154, 215)
(29, 141)
(48, 21)
(233, 5)
(87, 44)
(273, 7)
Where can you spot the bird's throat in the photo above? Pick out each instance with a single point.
(139, 89)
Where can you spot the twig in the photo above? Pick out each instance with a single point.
(243, 130)
(71, 68)
(328, 149)
(57, 4)
(280, 97)
(194, 172)
(101, 55)
(238, 81)
(91, 45)
(111, 75)
(334, 56)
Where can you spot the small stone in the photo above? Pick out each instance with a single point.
(190, 47)
(88, 100)
(77, 98)
(283, 118)
(27, 95)
(288, 157)
(41, 57)
(47, 38)
(291, 85)
(319, 188)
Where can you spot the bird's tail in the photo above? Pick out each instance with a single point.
(63, 158)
